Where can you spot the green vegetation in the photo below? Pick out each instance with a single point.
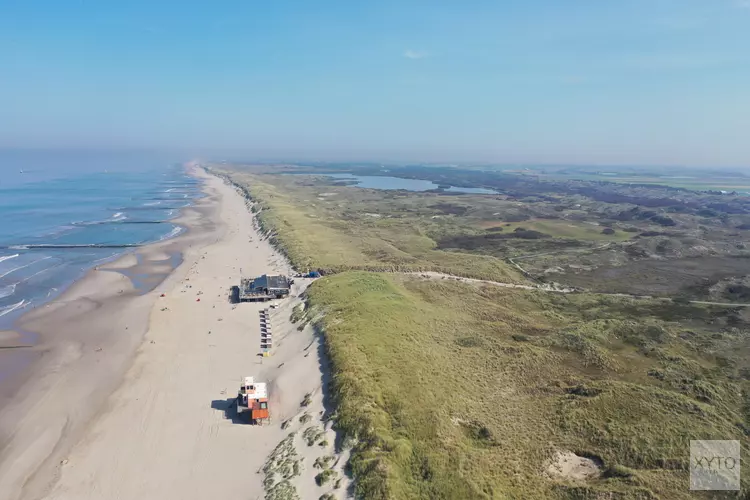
(707, 181)
(324, 462)
(312, 435)
(598, 236)
(557, 228)
(446, 389)
(454, 391)
(335, 229)
(325, 476)
(297, 313)
(306, 400)
(281, 466)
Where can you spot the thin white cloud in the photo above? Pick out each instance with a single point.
(415, 54)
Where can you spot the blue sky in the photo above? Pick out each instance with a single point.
(534, 81)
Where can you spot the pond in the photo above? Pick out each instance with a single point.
(384, 182)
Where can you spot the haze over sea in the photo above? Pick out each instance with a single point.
(62, 213)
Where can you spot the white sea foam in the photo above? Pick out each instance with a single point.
(40, 272)
(25, 265)
(174, 232)
(8, 257)
(116, 217)
(103, 259)
(9, 309)
(7, 291)
(58, 230)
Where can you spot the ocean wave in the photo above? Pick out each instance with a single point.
(8, 257)
(151, 204)
(9, 309)
(121, 221)
(179, 190)
(117, 217)
(27, 278)
(149, 207)
(57, 231)
(174, 232)
(105, 259)
(23, 266)
(7, 291)
(54, 246)
(89, 222)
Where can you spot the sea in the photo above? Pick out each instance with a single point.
(64, 212)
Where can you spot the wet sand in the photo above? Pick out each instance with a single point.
(83, 343)
(131, 394)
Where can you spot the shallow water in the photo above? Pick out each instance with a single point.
(62, 213)
(385, 182)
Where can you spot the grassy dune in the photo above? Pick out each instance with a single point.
(341, 234)
(449, 390)
(454, 391)
(561, 229)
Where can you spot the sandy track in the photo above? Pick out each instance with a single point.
(169, 430)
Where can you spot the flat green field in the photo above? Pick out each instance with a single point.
(451, 391)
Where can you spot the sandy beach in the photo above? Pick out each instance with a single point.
(132, 398)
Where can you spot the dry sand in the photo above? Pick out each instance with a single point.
(567, 465)
(102, 423)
